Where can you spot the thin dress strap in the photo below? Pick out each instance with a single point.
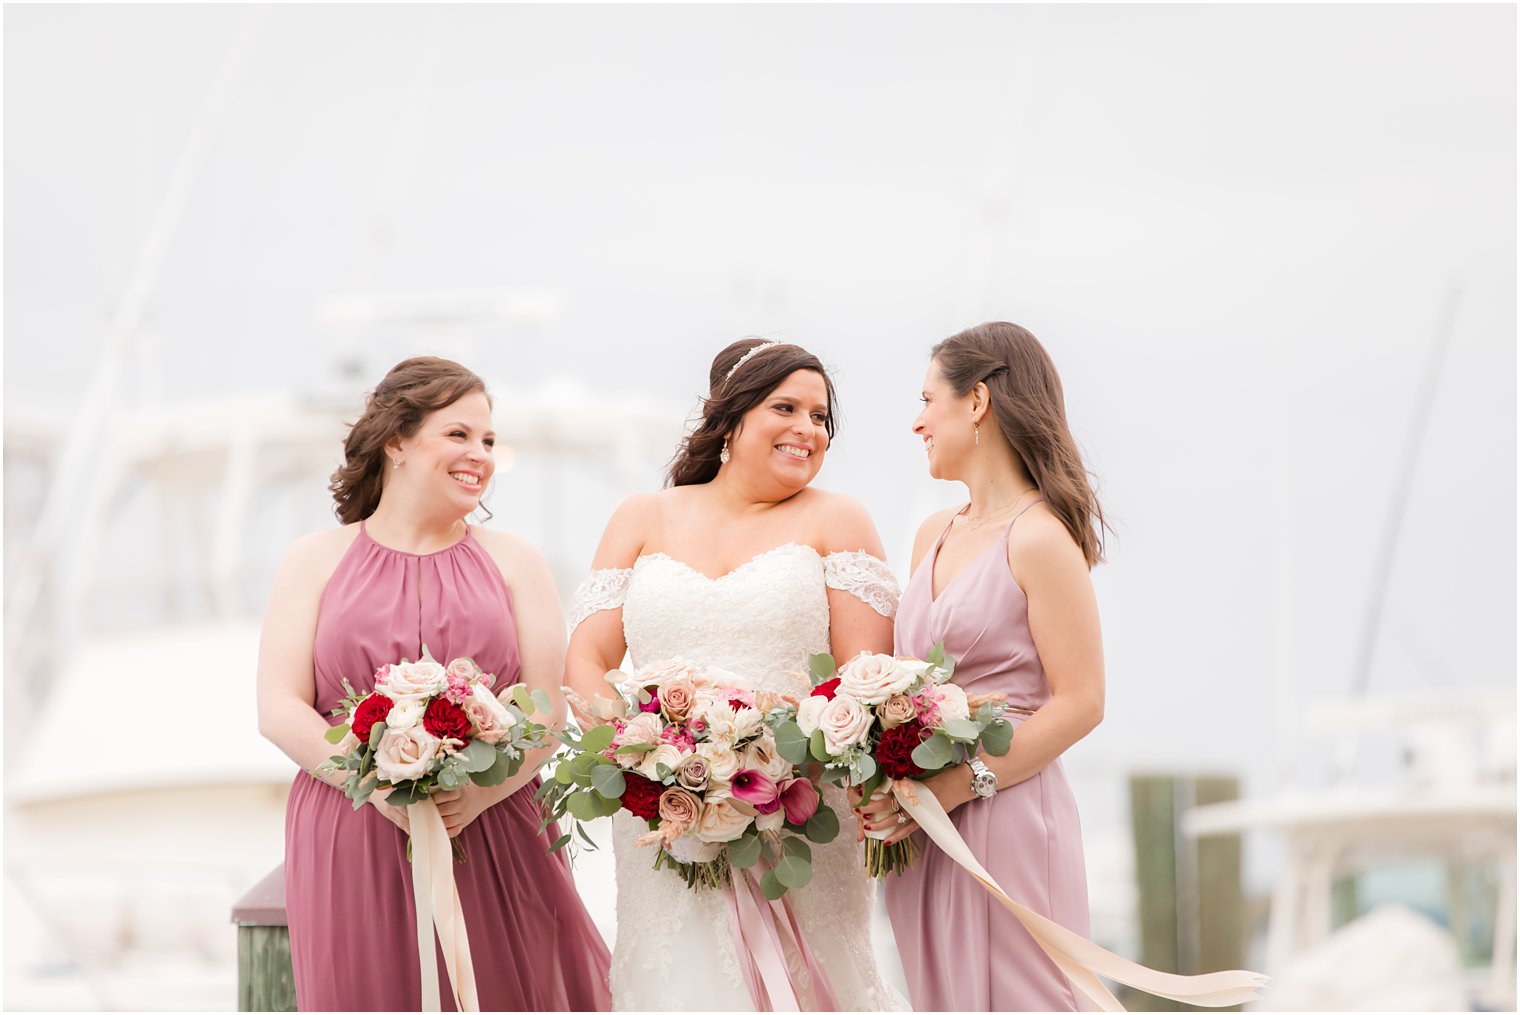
(1026, 507)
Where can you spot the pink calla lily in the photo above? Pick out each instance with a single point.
(800, 798)
(755, 788)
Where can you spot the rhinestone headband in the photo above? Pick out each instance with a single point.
(745, 359)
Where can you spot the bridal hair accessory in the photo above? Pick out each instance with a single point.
(745, 359)
(724, 456)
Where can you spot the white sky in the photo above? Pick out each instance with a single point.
(1232, 226)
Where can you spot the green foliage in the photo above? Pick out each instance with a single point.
(791, 742)
(821, 667)
(792, 871)
(335, 734)
(597, 739)
(608, 780)
(745, 851)
(997, 737)
(961, 729)
(823, 826)
(815, 745)
(771, 886)
(933, 754)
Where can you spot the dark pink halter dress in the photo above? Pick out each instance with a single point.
(348, 886)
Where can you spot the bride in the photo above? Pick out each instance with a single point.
(738, 564)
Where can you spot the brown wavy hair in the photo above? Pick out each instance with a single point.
(1030, 408)
(396, 408)
(729, 398)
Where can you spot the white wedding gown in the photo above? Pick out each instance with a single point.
(674, 949)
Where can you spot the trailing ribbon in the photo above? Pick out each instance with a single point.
(1076, 956)
(436, 899)
(772, 951)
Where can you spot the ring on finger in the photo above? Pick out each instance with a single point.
(902, 819)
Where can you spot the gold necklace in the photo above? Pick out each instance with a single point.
(976, 523)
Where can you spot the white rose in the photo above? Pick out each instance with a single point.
(722, 761)
(667, 755)
(872, 679)
(845, 723)
(770, 822)
(809, 711)
(412, 681)
(405, 715)
(405, 754)
(721, 821)
(690, 849)
(953, 703)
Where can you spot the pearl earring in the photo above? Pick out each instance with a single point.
(395, 463)
(723, 456)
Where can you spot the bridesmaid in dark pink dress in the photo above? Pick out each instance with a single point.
(1003, 582)
(404, 571)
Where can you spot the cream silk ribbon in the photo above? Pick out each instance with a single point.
(772, 951)
(1076, 956)
(436, 899)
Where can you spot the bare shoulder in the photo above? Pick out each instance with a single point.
(632, 526)
(929, 531)
(842, 523)
(320, 551)
(1041, 549)
(508, 548)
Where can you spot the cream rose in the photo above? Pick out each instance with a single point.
(666, 754)
(413, 681)
(809, 712)
(897, 710)
(722, 761)
(844, 722)
(492, 722)
(643, 728)
(872, 679)
(405, 754)
(762, 755)
(953, 704)
(721, 821)
(405, 715)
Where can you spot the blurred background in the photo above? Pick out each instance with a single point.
(1271, 249)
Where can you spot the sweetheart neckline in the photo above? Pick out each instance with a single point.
(662, 555)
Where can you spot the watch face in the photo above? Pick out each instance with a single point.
(985, 784)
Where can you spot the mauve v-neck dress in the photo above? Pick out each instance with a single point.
(348, 886)
(961, 950)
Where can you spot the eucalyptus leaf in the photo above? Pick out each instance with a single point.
(542, 791)
(936, 656)
(771, 887)
(608, 780)
(997, 737)
(405, 793)
(522, 698)
(793, 846)
(606, 807)
(499, 772)
(375, 733)
(564, 774)
(744, 851)
(335, 734)
(560, 843)
(541, 701)
(870, 785)
(597, 739)
(793, 871)
(933, 754)
(636, 749)
(581, 805)
(580, 830)
(961, 729)
(864, 768)
(477, 756)
(791, 742)
(823, 826)
(816, 746)
(821, 667)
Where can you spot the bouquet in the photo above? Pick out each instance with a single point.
(694, 755)
(882, 718)
(426, 725)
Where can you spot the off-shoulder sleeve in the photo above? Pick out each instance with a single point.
(603, 589)
(865, 577)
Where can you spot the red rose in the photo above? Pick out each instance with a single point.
(894, 751)
(641, 796)
(370, 711)
(444, 719)
(827, 689)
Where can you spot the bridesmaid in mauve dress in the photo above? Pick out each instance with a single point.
(406, 571)
(1003, 583)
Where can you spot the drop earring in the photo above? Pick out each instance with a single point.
(723, 456)
(976, 429)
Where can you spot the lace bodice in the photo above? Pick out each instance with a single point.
(674, 949)
(761, 620)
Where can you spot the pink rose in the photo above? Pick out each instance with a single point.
(413, 681)
(679, 811)
(490, 718)
(405, 754)
(677, 697)
(692, 773)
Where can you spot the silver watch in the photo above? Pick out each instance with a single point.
(983, 782)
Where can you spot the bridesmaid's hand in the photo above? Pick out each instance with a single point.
(395, 815)
(459, 807)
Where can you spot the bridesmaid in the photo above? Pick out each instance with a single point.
(1003, 582)
(403, 570)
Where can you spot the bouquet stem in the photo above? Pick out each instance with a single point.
(889, 858)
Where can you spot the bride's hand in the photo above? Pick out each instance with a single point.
(881, 813)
